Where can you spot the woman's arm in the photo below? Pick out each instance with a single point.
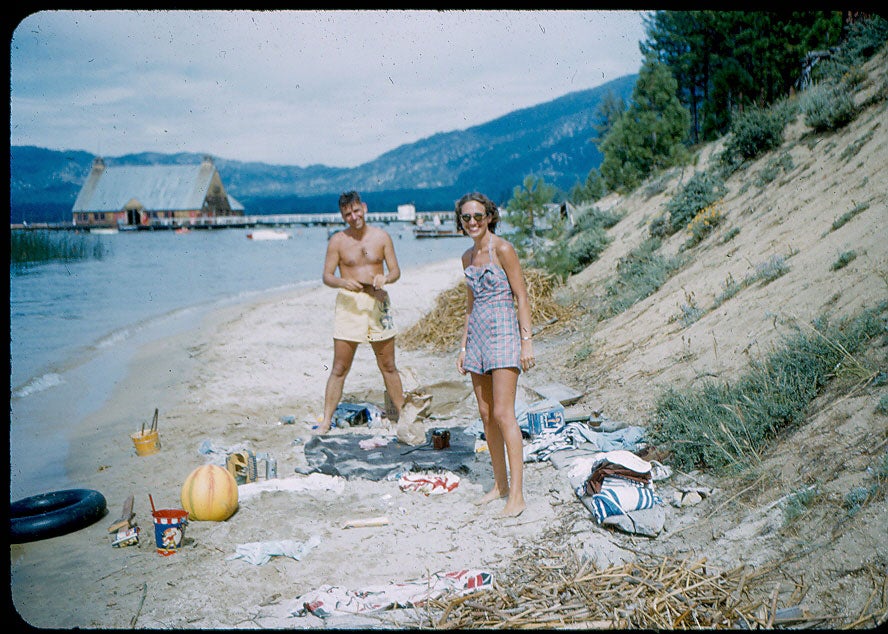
(470, 301)
(508, 259)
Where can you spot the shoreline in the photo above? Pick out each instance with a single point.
(171, 374)
(228, 381)
(115, 390)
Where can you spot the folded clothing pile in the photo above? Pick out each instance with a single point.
(620, 483)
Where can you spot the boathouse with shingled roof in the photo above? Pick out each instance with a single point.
(134, 196)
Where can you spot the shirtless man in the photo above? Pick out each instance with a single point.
(363, 310)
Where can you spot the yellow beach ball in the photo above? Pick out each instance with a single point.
(209, 493)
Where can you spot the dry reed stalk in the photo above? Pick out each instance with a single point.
(546, 586)
(656, 594)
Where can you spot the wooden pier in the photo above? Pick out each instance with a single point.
(245, 222)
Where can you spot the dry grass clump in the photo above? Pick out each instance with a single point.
(547, 586)
(441, 329)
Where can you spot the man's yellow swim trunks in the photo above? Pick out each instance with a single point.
(361, 317)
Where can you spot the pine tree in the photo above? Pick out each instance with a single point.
(649, 136)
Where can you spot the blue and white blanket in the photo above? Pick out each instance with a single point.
(618, 496)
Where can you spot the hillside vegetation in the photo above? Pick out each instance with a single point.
(770, 306)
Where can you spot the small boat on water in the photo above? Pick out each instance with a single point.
(104, 231)
(181, 230)
(269, 234)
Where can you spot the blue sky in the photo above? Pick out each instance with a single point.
(335, 87)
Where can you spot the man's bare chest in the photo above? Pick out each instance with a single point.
(361, 253)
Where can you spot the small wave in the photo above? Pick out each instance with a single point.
(114, 338)
(38, 385)
(250, 294)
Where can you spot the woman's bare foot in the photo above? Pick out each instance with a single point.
(513, 510)
(320, 430)
(490, 496)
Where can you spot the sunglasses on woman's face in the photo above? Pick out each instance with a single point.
(477, 217)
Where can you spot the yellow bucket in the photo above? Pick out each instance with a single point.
(147, 442)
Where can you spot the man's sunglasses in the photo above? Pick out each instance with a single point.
(478, 217)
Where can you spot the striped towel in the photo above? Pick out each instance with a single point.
(620, 495)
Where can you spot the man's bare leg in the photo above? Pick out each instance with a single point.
(343, 355)
(385, 360)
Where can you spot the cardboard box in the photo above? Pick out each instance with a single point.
(545, 417)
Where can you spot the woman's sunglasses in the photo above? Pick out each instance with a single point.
(478, 217)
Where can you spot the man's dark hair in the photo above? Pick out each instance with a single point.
(349, 197)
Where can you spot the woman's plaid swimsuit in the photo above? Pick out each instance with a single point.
(493, 339)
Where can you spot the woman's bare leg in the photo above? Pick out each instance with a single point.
(504, 385)
(484, 395)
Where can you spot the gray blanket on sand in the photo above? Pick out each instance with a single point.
(341, 455)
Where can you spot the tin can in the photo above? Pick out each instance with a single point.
(271, 468)
(440, 438)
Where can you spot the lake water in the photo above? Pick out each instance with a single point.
(73, 325)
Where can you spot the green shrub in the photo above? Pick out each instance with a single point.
(730, 235)
(770, 270)
(844, 260)
(725, 427)
(880, 471)
(587, 247)
(702, 190)
(33, 246)
(855, 147)
(730, 288)
(858, 497)
(765, 272)
(656, 185)
(583, 353)
(799, 502)
(553, 256)
(864, 39)
(639, 274)
(882, 407)
(841, 220)
(772, 170)
(660, 227)
(754, 132)
(595, 218)
(690, 312)
(827, 107)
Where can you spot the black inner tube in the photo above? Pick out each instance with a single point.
(55, 513)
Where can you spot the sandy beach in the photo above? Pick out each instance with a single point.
(228, 383)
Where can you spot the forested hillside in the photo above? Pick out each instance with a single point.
(551, 139)
(737, 309)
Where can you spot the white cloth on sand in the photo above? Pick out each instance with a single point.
(260, 553)
(311, 482)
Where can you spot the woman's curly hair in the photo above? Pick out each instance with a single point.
(489, 207)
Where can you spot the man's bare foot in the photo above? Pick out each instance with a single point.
(490, 496)
(513, 510)
(321, 430)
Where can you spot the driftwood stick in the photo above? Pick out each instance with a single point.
(113, 572)
(773, 611)
(141, 603)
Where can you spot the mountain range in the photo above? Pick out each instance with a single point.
(552, 140)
